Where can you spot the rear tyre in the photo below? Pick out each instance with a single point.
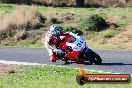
(65, 62)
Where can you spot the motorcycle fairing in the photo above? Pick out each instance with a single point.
(78, 42)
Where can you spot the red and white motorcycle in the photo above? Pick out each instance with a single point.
(76, 50)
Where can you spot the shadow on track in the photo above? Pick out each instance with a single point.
(111, 64)
(102, 64)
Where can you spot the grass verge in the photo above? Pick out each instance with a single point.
(25, 32)
(47, 77)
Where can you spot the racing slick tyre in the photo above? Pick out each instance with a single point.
(65, 61)
(94, 58)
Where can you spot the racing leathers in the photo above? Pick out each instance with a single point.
(51, 42)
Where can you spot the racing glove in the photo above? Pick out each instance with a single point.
(64, 52)
(57, 51)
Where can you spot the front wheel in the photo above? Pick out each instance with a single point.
(94, 58)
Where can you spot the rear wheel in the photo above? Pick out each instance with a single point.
(65, 61)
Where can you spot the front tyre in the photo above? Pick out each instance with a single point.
(94, 58)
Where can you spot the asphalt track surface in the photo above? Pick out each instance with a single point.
(113, 61)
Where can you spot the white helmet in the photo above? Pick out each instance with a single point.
(55, 30)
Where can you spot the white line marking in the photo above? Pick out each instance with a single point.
(18, 63)
(26, 63)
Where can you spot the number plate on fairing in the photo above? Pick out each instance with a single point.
(78, 44)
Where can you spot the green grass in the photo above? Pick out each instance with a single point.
(6, 7)
(119, 11)
(25, 44)
(109, 33)
(126, 13)
(28, 44)
(48, 77)
(106, 34)
(79, 11)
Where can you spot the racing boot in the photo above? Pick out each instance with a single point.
(53, 58)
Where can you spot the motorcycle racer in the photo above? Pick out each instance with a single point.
(68, 46)
(52, 39)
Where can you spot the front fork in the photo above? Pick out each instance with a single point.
(84, 53)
